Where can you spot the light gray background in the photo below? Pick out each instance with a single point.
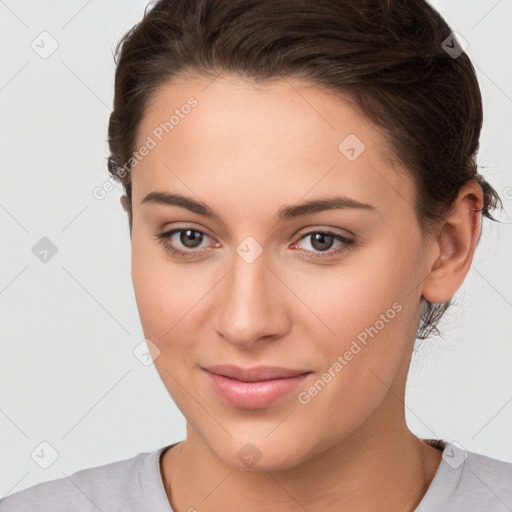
(69, 326)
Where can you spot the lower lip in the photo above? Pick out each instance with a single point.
(253, 395)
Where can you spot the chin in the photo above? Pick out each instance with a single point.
(258, 453)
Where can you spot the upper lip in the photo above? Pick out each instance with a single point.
(254, 374)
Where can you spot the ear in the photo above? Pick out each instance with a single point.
(455, 245)
(126, 203)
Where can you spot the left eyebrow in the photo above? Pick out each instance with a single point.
(286, 213)
(319, 205)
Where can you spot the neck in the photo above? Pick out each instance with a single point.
(373, 469)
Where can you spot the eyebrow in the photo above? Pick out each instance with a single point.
(286, 213)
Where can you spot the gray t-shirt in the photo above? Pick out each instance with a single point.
(464, 481)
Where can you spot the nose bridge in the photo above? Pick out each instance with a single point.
(249, 305)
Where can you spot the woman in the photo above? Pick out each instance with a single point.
(303, 201)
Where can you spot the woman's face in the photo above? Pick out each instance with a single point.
(262, 283)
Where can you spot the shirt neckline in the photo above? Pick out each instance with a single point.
(152, 480)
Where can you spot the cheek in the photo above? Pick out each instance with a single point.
(163, 296)
(365, 290)
(162, 290)
(150, 293)
(373, 316)
(171, 300)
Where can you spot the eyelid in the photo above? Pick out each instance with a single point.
(315, 229)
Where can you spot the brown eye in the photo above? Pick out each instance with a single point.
(186, 244)
(322, 241)
(190, 238)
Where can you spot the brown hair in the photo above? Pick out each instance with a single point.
(389, 56)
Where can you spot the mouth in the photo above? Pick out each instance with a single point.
(253, 388)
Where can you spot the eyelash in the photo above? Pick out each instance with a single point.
(348, 243)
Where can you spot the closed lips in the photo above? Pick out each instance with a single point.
(255, 374)
(253, 388)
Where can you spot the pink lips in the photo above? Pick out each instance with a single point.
(253, 388)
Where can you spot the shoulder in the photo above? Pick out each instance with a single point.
(102, 487)
(487, 479)
(467, 480)
(470, 481)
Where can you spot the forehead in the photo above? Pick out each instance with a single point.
(284, 135)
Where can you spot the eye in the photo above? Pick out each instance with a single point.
(322, 241)
(190, 238)
(188, 243)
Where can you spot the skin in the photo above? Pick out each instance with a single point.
(246, 151)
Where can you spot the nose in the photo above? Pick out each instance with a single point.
(251, 304)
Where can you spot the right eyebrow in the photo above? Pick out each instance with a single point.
(182, 201)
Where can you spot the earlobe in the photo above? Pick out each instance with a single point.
(455, 245)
